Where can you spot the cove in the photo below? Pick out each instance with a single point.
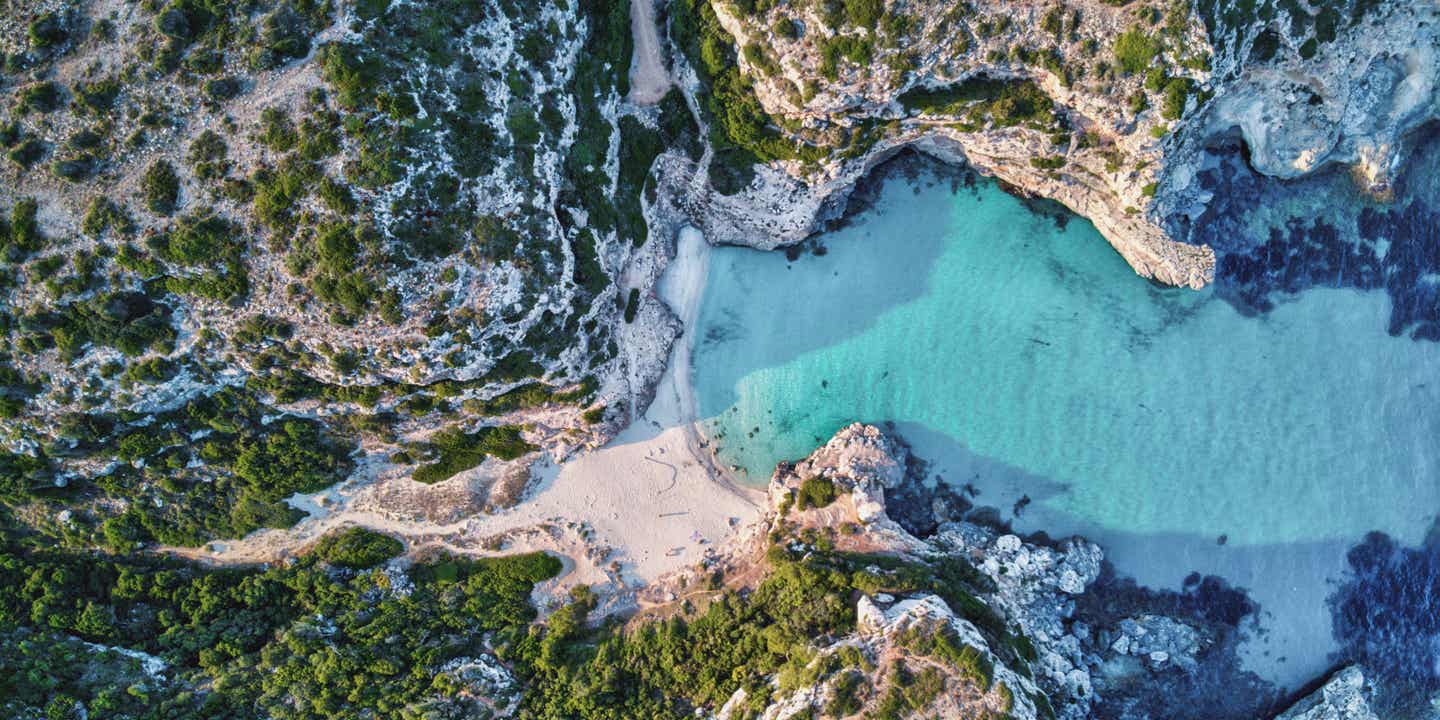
(1019, 354)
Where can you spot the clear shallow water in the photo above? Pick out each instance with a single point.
(1028, 359)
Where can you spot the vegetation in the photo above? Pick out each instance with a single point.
(41, 97)
(160, 187)
(249, 468)
(1135, 51)
(632, 305)
(457, 451)
(295, 642)
(741, 132)
(982, 99)
(668, 669)
(357, 548)
(815, 492)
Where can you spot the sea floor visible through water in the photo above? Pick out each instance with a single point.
(1018, 354)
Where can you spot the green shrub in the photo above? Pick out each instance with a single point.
(160, 187)
(864, 13)
(276, 131)
(207, 155)
(103, 214)
(1135, 51)
(815, 492)
(632, 305)
(458, 451)
(47, 31)
(1006, 102)
(27, 153)
(786, 28)
(284, 36)
(1177, 93)
(23, 236)
(357, 548)
(98, 98)
(222, 89)
(41, 97)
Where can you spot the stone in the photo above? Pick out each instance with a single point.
(1345, 696)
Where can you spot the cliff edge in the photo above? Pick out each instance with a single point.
(1106, 108)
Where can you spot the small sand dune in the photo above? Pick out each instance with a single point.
(648, 77)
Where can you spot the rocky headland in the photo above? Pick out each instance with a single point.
(1048, 632)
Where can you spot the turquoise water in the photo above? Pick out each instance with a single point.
(1027, 358)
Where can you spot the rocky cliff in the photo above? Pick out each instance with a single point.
(1046, 633)
(1104, 107)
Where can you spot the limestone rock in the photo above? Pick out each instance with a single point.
(1351, 100)
(1346, 696)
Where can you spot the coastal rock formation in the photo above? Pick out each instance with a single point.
(1059, 630)
(1345, 696)
(1041, 662)
(1103, 107)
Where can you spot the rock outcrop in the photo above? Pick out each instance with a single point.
(1063, 637)
(1043, 666)
(1345, 696)
(1135, 103)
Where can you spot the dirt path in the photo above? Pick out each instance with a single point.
(648, 77)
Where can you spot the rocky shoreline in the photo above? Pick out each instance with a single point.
(1094, 645)
(1356, 101)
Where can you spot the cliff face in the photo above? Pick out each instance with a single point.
(1106, 108)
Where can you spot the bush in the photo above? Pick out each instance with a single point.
(815, 492)
(1134, 51)
(864, 13)
(1006, 102)
(41, 97)
(222, 89)
(1054, 162)
(786, 28)
(160, 188)
(277, 132)
(48, 30)
(357, 548)
(207, 156)
(102, 214)
(73, 169)
(196, 240)
(632, 305)
(459, 451)
(1177, 94)
(27, 153)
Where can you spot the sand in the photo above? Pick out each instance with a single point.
(648, 78)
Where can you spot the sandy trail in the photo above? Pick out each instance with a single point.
(650, 500)
(648, 78)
